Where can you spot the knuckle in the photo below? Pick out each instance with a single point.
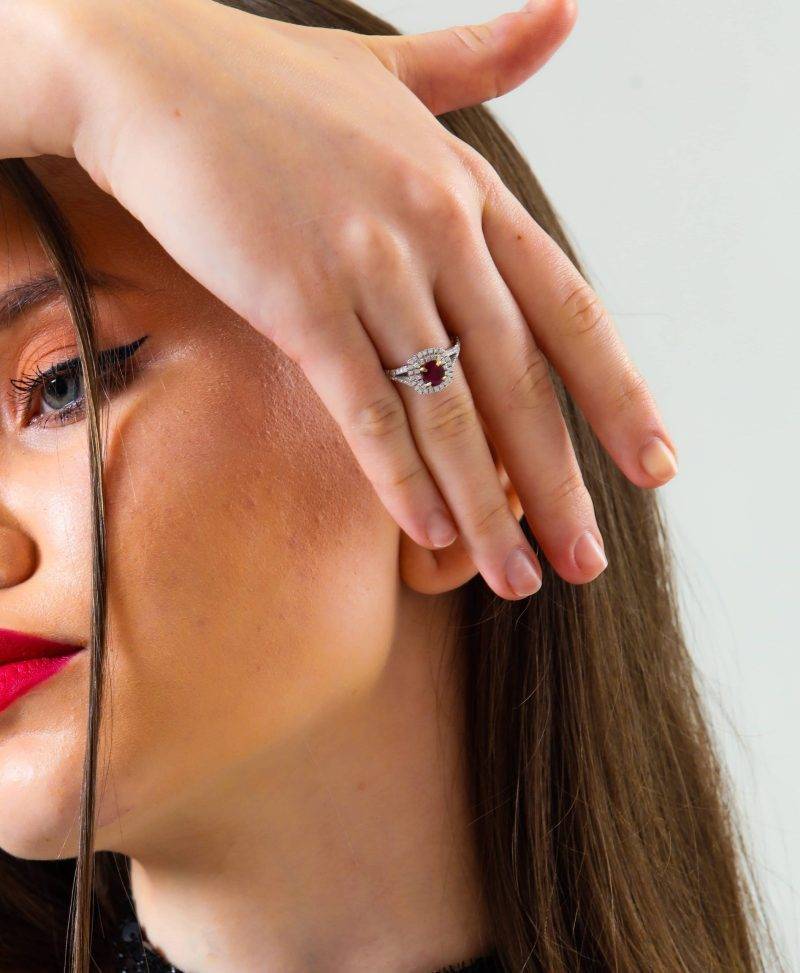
(479, 39)
(369, 244)
(632, 394)
(381, 418)
(533, 388)
(431, 199)
(487, 520)
(475, 37)
(584, 313)
(72, 20)
(570, 489)
(402, 479)
(452, 418)
(485, 175)
(481, 173)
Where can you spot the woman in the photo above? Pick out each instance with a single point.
(318, 744)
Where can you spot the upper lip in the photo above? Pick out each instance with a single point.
(19, 646)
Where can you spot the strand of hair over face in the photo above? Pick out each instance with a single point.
(602, 819)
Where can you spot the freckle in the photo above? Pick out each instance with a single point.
(177, 113)
(362, 785)
(519, 236)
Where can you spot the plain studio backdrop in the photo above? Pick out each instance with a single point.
(666, 134)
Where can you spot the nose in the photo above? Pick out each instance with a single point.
(17, 556)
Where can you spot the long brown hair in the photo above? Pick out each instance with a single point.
(601, 815)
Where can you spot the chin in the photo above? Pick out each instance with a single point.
(40, 800)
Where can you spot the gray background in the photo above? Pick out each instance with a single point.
(666, 134)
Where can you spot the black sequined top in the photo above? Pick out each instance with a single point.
(135, 954)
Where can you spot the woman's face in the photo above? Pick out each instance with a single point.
(253, 572)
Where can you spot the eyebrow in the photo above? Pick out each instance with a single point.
(44, 286)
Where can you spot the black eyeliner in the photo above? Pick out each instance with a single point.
(104, 358)
(106, 361)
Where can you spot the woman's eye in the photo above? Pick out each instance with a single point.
(56, 395)
(61, 391)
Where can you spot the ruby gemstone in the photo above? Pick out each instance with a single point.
(432, 372)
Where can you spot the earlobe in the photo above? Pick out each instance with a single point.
(434, 572)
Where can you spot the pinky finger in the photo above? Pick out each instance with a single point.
(344, 369)
(577, 336)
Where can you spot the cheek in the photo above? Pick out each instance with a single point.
(42, 736)
(252, 574)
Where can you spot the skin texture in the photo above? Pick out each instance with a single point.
(280, 754)
(175, 107)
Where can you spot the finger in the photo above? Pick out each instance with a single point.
(449, 437)
(466, 65)
(342, 365)
(510, 381)
(577, 335)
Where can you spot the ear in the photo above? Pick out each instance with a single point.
(433, 572)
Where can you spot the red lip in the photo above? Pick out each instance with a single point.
(27, 660)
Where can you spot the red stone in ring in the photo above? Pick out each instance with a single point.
(432, 372)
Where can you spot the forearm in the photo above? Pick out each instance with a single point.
(39, 104)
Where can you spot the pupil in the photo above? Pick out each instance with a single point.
(60, 391)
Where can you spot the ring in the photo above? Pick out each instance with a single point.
(429, 370)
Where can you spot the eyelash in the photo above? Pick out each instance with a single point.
(110, 366)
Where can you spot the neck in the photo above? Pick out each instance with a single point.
(349, 850)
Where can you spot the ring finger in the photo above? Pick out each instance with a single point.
(401, 318)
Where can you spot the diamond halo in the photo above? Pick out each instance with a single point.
(427, 371)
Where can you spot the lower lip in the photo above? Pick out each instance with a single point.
(16, 678)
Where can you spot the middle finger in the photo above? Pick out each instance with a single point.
(401, 317)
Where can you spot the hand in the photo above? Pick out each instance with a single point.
(301, 176)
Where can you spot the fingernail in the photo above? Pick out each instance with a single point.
(522, 573)
(441, 529)
(589, 555)
(658, 460)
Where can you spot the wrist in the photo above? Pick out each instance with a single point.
(39, 97)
